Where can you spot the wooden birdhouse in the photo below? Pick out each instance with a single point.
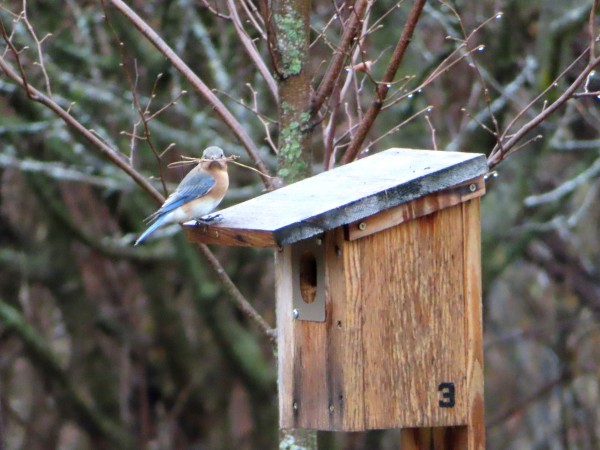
(378, 292)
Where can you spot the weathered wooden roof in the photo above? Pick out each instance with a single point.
(339, 197)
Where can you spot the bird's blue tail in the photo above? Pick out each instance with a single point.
(151, 229)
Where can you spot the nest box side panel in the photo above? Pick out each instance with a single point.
(320, 363)
(345, 337)
(302, 353)
(473, 326)
(285, 336)
(410, 283)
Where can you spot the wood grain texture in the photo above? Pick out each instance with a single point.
(473, 323)
(302, 354)
(285, 336)
(345, 352)
(338, 197)
(322, 371)
(471, 436)
(413, 306)
(237, 237)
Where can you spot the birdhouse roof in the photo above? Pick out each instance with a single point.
(343, 196)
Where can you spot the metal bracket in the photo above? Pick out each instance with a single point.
(308, 280)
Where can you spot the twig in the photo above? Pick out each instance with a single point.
(592, 30)
(197, 83)
(7, 39)
(478, 72)
(477, 121)
(252, 51)
(185, 160)
(241, 103)
(142, 115)
(249, 12)
(551, 86)
(507, 93)
(237, 297)
(264, 120)
(338, 95)
(329, 130)
(322, 31)
(501, 152)
(213, 10)
(113, 155)
(442, 68)
(337, 62)
(165, 107)
(395, 128)
(377, 24)
(503, 149)
(38, 43)
(388, 76)
(586, 94)
(432, 129)
(167, 148)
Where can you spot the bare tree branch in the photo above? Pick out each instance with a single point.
(592, 30)
(113, 155)
(237, 297)
(382, 88)
(198, 85)
(251, 50)
(341, 54)
(503, 149)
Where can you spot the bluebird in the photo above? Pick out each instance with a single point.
(198, 194)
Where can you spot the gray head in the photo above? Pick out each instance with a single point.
(213, 153)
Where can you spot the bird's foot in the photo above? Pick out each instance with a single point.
(206, 220)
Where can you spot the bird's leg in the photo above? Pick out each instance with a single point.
(217, 217)
(208, 219)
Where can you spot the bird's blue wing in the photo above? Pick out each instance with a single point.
(195, 184)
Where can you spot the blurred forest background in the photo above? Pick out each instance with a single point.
(103, 345)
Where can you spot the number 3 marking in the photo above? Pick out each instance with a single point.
(448, 395)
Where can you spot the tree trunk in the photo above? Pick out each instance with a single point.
(289, 46)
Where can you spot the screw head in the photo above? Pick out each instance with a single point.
(331, 409)
(472, 187)
(295, 406)
(362, 226)
(295, 313)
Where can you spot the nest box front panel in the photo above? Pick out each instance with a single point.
(394, 348)
(412, 298)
